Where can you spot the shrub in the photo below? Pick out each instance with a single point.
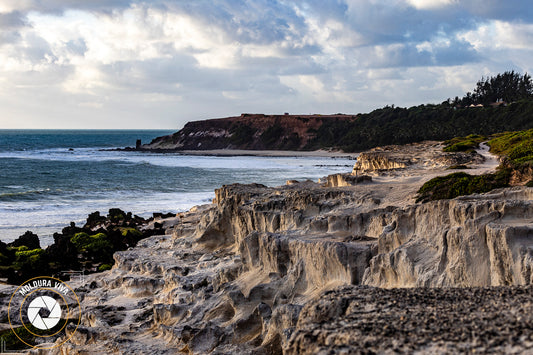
(96, 247)
(459, 184)
(464, 144)
(242, 134)
(272, 134)
(518, 146)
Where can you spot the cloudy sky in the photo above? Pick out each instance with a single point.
(161, 63)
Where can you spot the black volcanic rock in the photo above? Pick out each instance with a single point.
(28, 239)
(89, 248)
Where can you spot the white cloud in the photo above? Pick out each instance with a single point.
(174, 60)
(500, 35)
(431, 4)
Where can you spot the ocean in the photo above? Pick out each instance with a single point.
(49, 178)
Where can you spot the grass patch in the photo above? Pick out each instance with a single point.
(459, 184)
(517, 146)
(464, 144)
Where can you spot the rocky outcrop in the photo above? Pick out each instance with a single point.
(368, 320)
(247, 131)
(378, 161)
(340, 180)
(302, 268)
(478, 240)
(425, 155)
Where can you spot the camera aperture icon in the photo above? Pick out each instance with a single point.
(44, 312)
(40, 310)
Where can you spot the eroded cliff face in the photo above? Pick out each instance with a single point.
(234, 276)
(379, 161)
(247, 131)
(478, 240)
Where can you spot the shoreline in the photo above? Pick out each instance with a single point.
(265, 153)
(242, 274)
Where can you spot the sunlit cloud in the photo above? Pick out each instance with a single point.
(162, 63)
(431, 4)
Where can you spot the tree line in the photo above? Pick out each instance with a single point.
(507, 87)
(397, 125)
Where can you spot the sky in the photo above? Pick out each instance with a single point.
(161, 63)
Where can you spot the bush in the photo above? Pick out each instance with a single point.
(272, 134)
(464, 144)
(97, 247)
(459, 184)
(241, 134)
(518, 146)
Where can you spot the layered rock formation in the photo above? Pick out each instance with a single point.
(426, 155)
(305, 268)
(248, 131)
(249, 274)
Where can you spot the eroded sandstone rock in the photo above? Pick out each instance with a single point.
(273, 270)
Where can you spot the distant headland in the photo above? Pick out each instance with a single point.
(497, 104)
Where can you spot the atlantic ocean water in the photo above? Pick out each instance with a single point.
(49, 178)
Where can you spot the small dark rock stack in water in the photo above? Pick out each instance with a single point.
(89, 248)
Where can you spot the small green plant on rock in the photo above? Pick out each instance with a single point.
(97, 246)
(104, 267)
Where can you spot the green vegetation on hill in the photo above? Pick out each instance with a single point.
(459, 184)
(507, 105)
(516, 147)
(506, 87)
(395, 125)
(464, 144)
